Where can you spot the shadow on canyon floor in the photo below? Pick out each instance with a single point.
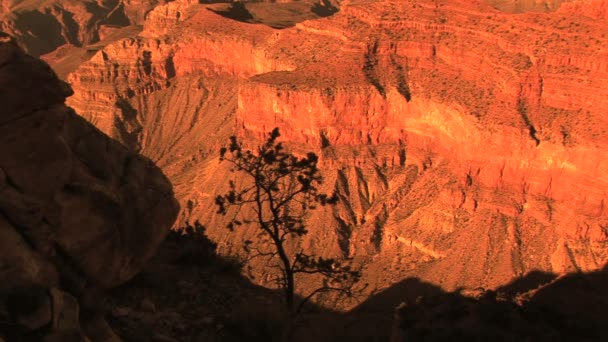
(188, 293)
(277, 15)
(537, 307)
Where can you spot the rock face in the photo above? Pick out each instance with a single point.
(519, 6)
(596, 9)
(468, 145)
(41, 26)
(78, 211)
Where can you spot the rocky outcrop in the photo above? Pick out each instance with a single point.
(136, 10)
(164, 18)
(467, 145)
(78, 211)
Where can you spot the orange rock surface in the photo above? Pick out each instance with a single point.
(596, 9)
(468, 145)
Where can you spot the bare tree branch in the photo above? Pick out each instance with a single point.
(281, 191)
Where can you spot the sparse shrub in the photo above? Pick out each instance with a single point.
(277, 192)
(190, 245)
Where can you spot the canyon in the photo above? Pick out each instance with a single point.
(41, 26)
(467, 144)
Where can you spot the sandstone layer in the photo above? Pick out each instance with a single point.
(78, 211)
(467, 145)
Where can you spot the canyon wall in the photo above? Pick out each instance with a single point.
(467, 145)
(42, 26)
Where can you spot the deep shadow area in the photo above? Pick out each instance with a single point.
(189, 293)
(46, 33)
(276, 15)
(324, 8)
(236, 11)
(537, 307)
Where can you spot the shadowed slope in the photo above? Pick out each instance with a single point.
(547, 308)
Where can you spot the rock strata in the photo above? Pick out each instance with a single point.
(41, 26)
(468, 144)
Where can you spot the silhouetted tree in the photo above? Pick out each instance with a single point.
(281, 189)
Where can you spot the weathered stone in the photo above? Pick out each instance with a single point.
(40, 316)
(121, 311)
(98, 330)
(103, 208)
(66, 336)
(28, 306)
(93, 302)
(147, 305)
(66, 312)
(78, 211)
(20, 265)
(162, 338)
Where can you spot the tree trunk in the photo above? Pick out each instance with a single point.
(290, 286)
(289, 291)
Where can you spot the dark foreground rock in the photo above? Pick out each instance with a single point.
(79, 213)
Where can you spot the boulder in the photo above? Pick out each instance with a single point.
(65, 312)
(98, 330)
(31, 308)
(78, 211)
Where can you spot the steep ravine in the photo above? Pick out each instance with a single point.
(460, 179)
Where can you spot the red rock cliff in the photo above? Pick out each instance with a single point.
(468, 145)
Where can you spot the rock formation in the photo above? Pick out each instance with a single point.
(78, 212)
(467, 144)
(41, 26)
